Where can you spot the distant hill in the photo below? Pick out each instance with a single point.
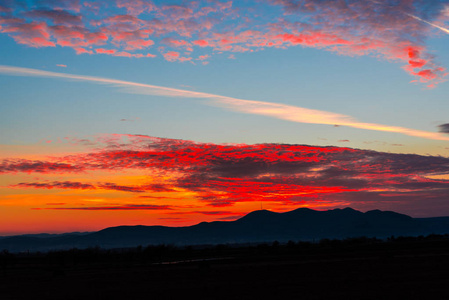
(258, 226)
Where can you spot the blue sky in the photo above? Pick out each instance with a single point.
(362, 63)
(365, 87)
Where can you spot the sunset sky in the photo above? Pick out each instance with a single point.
(176, 112)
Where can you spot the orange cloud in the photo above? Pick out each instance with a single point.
(137, 179)
(222, 175)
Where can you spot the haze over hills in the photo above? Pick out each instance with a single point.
(258, 226)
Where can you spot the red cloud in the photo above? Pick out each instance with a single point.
(417, 63)
(222, 175)
(426, 75)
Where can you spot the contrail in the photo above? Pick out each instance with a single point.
(275, 110)
(431, 24)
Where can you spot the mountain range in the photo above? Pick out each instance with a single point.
(258, 226)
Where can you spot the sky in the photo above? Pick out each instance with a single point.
(178, 112)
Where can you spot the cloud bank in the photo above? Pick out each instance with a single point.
(195, 31)
(224, 174)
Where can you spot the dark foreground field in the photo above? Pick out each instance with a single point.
(404, 268)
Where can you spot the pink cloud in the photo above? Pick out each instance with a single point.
(31, 34)
(135, 55)
(127, 21)
(426, 75)
(80, 50)
(59, 17)
(125, 36)
(315, 39)
(391, 33)
(201, 43)
(77, 37)
(176, 12)
(175, 56)
(136, 7)
(175, 43)
(203, 57)
(105, 51)
(138, 44)
(93, 7)
(204, 11)
(350, 28)
(223, 5)
(171, 56)
(183, 59)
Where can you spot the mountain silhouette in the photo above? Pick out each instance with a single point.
(258, 226)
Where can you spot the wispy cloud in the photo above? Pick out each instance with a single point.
(270, 109)
(431, 24)
(56, 185)
(118, 207)
(84, 186)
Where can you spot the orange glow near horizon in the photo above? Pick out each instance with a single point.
(140, 180)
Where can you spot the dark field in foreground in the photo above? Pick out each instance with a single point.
(401, 268)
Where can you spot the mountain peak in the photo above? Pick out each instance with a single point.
(257, 226)
(257, 214)
(391, 214)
